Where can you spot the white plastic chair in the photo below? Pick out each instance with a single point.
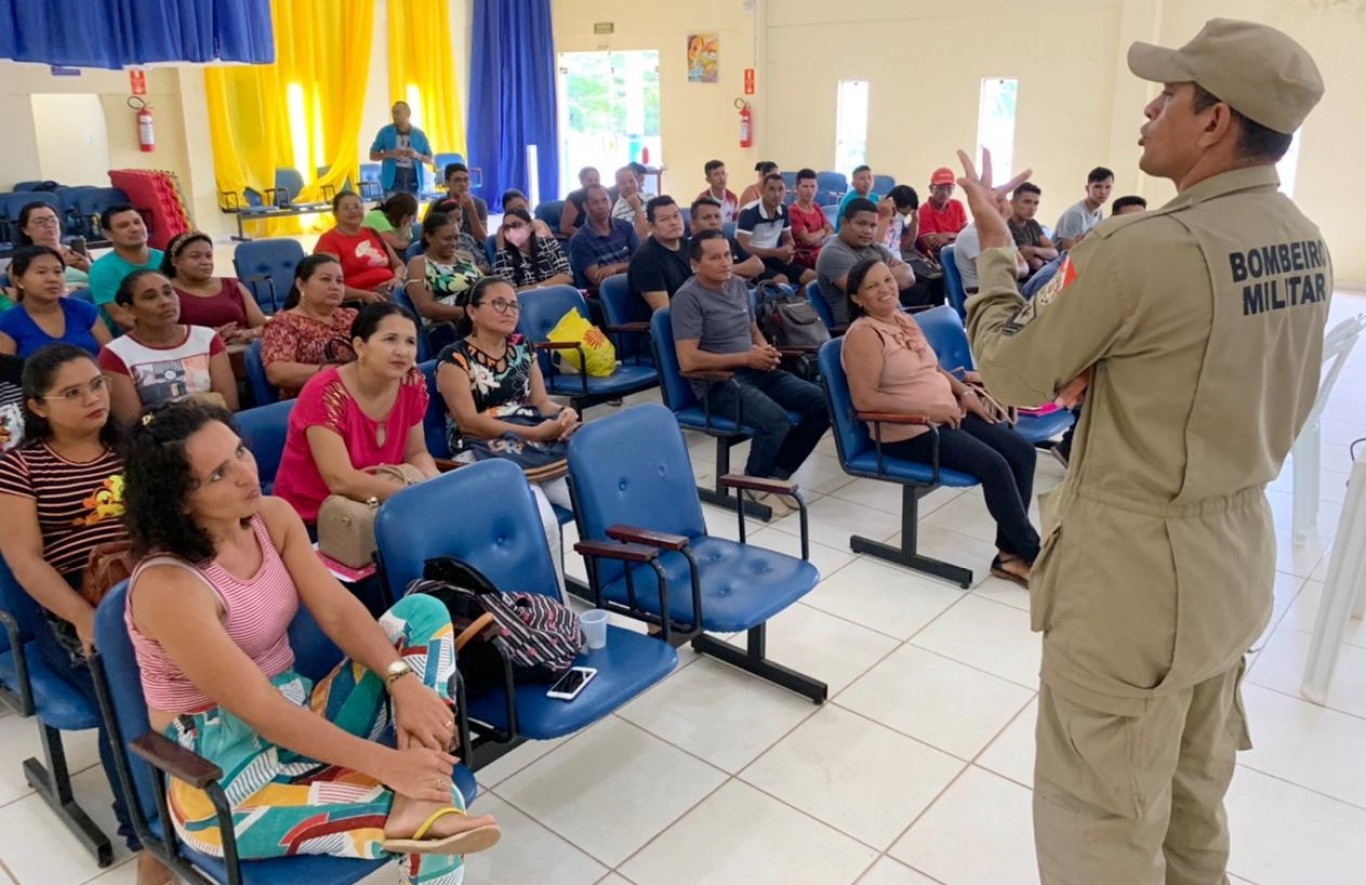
(1308, 451)
(1344, 593)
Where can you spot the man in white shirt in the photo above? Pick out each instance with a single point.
(1078, 220)
(764, 230)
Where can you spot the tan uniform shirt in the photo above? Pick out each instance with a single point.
(1203, 321)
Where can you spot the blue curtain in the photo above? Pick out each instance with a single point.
(115, 33)
(512, 97)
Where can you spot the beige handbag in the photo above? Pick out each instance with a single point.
(346, 528)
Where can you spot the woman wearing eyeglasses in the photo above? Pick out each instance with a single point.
(527, 259)
(493, 390)
(44, 314)
(61, 496)
(39, 225)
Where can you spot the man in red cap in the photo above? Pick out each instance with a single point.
(941, 216)
(1199, 370)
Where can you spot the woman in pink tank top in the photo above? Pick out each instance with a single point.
(224, 572)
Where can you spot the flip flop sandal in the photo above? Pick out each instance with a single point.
(997, 571)
(466, 842)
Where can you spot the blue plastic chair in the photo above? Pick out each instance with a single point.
(267, 267)
(789, 179)
(550, 212)
(831, 211)
(953, 282)
(945, 333)
(628, 320)
(145, 758)
(502, 538)
(424, 345)
(263, 393)
(713, 584)
(264, 429)
(882, 184)
(82, 294)
(832, 184)
(861, 455)
(693, 413)
(31, 688)
(542, 310)
(813, 294)
(434, 422)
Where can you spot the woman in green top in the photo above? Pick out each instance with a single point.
(439, 280)
(393, 220)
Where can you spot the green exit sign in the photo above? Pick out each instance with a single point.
(604, 27)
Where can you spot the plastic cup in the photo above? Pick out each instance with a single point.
(594, 623)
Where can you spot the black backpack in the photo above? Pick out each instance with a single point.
(538, 636)
(787, 319)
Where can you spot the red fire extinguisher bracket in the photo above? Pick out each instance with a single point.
(147, 140)
(746, 123)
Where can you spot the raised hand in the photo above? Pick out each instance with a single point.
(988, 202)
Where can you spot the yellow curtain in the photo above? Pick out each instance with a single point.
(421, 72)
(304, 111)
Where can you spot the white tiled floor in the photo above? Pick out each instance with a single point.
(918, 768)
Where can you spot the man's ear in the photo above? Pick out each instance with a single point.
(1219, 125)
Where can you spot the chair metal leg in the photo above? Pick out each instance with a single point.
(906, 554)
(720, 496)
(752, 659)
(53, 783)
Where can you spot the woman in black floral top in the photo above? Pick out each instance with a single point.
(528, 259)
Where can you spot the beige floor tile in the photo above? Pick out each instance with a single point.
(821, 645)
(1286, 835)
(883, 597)
(1012, 753)
(989, 636)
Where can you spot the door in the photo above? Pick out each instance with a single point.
(609, 112)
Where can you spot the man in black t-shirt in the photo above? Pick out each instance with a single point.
(661, 263)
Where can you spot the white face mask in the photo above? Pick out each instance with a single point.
(517, 235)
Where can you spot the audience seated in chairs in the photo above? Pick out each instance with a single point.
(127, 232)
(573, 215)
(312, 331)
(221, 303)
(764, 230)
(44, 313)
(369, 266)
(714, 331)
(860, 187)
(474, 212)
(526, 258)
(603, 245)
(393, 220)
(631, 200)
(968, 246)
(61, 496)
(39, 225)
(706, 215)
(753, 191)
(941, 216)
(855, 243)
(661, 263)
(441, 276)
(717, 179)
(496, 401)
(352, 418)
(892, 368)
(162, 359)
(224, 572)
(514, 199)
(1035, 246)
(810, 227)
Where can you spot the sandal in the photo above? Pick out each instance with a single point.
(466, 842)
(998, 571)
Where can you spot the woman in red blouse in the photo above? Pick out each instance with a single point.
(369, 264)
(355, 417)
(313, 331)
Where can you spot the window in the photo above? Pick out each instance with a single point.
(1289, 165)
(609, 113)
(851, 125)
(299, 135)
(996, 124)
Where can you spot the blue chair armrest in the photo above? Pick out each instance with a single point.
(638, 553)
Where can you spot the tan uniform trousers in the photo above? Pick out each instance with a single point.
(1137, 800)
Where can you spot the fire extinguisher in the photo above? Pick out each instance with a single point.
(147, 139)
(746, 123)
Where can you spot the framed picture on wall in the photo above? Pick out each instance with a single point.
(704, 57)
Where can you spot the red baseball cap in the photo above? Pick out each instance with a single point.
(943, 175)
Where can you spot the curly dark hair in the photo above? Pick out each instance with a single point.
(157, 480)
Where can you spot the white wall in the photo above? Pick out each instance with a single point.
(72, 130)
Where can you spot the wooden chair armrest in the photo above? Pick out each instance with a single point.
(708, 375)
(480, 624)
(635, 535)
(180, 763)
(892, 418)
(759, 484)
(640, 326)
(797, 351)
(446, 465)
(623, 552)
(556, 345)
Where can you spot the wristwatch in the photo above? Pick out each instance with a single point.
(395, 671)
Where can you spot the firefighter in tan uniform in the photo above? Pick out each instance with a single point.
(1197, 330)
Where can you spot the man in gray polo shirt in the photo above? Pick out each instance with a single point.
(1079, 218)
(853, 244)
(714, 330)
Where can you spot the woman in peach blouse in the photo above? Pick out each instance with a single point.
(892, 368)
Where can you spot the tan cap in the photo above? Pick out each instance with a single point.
(1262, 74)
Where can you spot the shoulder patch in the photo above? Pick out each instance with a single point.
(1066, 275)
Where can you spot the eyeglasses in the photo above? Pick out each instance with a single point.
(95, 387)
(501, 305)
(44, 220)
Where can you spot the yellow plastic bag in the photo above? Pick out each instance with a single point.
(597, 349)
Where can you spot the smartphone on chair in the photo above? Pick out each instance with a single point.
(571, 682)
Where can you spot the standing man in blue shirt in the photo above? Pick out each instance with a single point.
(402, 150)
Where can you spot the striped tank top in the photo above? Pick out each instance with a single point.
(256, 615)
